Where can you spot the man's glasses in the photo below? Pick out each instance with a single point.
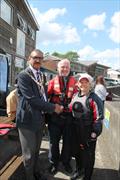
(37, 58)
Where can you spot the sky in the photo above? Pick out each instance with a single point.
(89, 27)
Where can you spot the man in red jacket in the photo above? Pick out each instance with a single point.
(60, 90)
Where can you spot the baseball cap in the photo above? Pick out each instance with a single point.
(86, 76)
(77, 109)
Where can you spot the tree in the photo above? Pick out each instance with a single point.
(72, 56)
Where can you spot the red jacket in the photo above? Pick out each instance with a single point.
(56, 86)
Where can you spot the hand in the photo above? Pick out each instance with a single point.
(81, 146)
(93, 135)
(58, 108)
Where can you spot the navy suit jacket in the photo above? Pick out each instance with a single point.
(31, 103)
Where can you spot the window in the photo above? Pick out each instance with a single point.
(10, 68)
(3, 79)
(6, 11)
(31, 32)
(99, 70)
(3, 73)
(19, 65)
(20, 43)
(21, 23)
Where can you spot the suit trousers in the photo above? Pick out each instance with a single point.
(30, 144)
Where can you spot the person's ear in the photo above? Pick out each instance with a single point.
(29, 58)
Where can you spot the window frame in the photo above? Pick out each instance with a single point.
(11, 12)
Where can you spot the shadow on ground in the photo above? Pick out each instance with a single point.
(99, 174)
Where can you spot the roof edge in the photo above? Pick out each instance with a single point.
(32, 14)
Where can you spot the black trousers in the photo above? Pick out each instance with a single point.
(86, 159)
(59, 127)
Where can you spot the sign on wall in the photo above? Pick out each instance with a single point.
(107, 118)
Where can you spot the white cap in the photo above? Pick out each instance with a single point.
(86, 76)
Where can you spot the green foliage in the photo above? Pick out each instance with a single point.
(72, 56)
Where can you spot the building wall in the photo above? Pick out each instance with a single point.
(94, 69)
(49, 64)
(111, 132)
(113, 74)
(8, 36)
(75, 66)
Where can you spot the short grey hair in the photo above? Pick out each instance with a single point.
(62, 62)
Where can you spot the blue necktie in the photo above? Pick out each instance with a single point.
(38, 76)
(39, 79)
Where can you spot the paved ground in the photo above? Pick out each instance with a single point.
(103, 170)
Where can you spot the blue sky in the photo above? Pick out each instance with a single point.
(88, 27)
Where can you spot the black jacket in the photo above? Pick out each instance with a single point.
(31, 103)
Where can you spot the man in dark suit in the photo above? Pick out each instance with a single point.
(32, 104)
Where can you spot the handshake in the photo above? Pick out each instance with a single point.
(58, 108)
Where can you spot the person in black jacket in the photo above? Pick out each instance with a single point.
(32, 104)
(87, 110)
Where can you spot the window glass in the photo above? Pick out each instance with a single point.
(21, 23)
(31, 32)
(3, 73)
(10, 68)
(6, 12)
(19, 65)
(20, 43)
(3, 80)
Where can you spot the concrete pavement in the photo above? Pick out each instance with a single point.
(104, 167)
